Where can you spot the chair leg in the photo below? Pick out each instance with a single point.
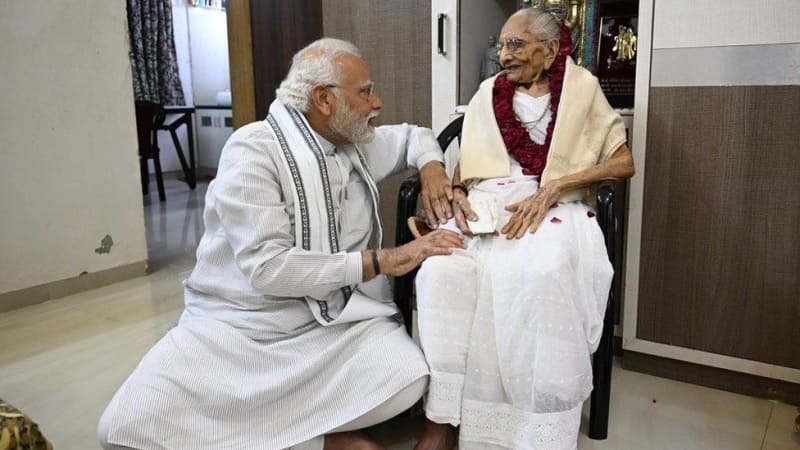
(159, 178)
(144, 175)
(600, 401)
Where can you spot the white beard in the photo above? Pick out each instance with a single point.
(348, 124)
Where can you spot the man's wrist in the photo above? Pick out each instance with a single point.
(425, 163)
(376, 266)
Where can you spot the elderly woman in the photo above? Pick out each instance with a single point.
(508, 325)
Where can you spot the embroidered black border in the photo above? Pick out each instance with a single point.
(333, 237)
(298, 182)
(303, 206)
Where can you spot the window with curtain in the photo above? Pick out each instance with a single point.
(153, 60)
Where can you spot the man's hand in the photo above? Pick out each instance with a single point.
(401, 260)
(436, 194)
(529, 213)
(463, 211)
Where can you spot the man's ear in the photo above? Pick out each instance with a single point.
(552, 51)
(322, 100)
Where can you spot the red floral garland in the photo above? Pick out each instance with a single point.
(530, 155)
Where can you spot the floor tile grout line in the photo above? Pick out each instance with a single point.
(766, 428)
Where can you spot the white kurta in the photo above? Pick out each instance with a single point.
(508, 326)
(248, 366)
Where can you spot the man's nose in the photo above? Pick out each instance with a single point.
(377, 103)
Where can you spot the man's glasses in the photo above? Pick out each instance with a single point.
(366, 92)
(514, 44)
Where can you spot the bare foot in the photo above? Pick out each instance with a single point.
(438, 436)
(349, 440)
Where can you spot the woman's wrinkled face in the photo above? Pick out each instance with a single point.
(533, 56)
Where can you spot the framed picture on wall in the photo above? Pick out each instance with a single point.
(616, 58)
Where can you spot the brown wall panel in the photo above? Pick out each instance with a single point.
(279, 29)
(720, 259)
(240, 49)
(395, 38)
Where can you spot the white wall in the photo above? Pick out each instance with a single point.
(201, 45)
(208, 41)
(726, 43)
(68, 160)
(715, 23)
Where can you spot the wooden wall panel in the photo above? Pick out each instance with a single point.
(279, 29)
(240, 51)
(395, 38)
(720, 259)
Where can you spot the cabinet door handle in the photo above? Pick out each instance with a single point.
(440, 34)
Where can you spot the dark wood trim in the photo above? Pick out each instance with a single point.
(212, 107)
(726, 380)
(279, 29)
(240, 51)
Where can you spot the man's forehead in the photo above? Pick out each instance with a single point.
(353, 69)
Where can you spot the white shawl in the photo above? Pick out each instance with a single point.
(587, 132)
(315, 227)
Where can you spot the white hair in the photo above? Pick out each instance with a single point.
(540, 23)
(315, 64)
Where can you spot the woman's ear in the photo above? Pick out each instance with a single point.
(322, 100)
(552, 48)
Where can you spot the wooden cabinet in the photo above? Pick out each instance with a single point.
(712, 282)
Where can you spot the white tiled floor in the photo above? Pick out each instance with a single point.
(61, 361)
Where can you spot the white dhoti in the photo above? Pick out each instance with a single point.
(508, 327)
(207, 385)
(281, 340)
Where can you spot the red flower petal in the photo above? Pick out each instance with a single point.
(555, 220)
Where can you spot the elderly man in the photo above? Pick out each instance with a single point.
(289, 338)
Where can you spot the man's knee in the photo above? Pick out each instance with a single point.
(103, 429)
(104, 426)
(444, 264)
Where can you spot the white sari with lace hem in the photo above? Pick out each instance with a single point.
(508, 326)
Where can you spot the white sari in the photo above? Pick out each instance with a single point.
(508, 326)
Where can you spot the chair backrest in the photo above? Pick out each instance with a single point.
(445, 138)
(149, 117)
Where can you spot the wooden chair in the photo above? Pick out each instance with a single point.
(610, 215)
(149, 118)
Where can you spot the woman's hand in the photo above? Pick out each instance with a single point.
(436, 194)
(462, 210)
(401, 260)
(529, 213)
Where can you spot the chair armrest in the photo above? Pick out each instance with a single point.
(406, 207)
(606, 193)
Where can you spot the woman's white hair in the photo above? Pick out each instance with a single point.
(313, 65)
(540, 23)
